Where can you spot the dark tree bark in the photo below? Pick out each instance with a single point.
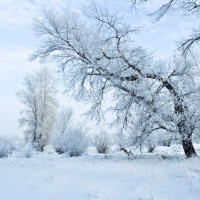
(186, 132)
(184, 129)
(188, 148)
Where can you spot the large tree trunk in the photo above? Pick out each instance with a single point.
(186, 133)
(188, 148)
(184, 127)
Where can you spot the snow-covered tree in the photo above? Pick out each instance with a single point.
(40, 107)
(98, 57)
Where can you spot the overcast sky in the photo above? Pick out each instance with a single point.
(17, 42)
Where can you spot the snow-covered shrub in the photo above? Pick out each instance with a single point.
(150, 146)
(156, 138)
(164, 138)
(25, 152)
(16, 142)
(151, 142)
(73, 142)
(102, 142)
(6, 148)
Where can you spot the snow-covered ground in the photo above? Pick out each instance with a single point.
(49, 176)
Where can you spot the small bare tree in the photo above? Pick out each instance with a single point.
(102, 142)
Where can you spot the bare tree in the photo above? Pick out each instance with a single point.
(183, 7)
(102, 142)
(40, 105)
(98, 58)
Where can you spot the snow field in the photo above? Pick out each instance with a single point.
(52, 176)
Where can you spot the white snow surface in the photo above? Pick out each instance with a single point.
(49, 176)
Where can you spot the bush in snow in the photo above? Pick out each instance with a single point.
(73, 142)
(6, 148)
(156, 138)
(165, 138)
(102, 142)
(151, 142)
(25, 152)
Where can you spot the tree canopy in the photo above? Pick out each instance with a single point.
(185, 8)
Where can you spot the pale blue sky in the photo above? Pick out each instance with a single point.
(18, 41)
